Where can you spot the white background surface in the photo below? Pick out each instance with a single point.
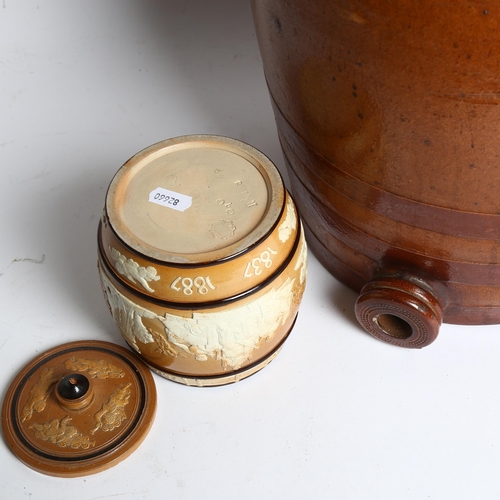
(84, 86)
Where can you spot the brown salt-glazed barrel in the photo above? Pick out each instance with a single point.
(389, 121)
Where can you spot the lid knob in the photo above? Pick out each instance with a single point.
(74, 391)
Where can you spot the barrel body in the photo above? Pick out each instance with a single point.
(388, 117)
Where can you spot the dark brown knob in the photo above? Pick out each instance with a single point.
(74, 391)
(73, 386)
(399, 312)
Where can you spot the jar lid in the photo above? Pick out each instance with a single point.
(79, 408)
(195, 199)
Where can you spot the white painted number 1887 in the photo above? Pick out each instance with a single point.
(185, 285)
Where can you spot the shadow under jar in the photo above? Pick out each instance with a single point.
(202, 258)
(388, 117)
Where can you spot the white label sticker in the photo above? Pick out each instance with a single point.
(170, 199)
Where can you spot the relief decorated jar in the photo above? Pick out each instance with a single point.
(202, 258)
(388, 117)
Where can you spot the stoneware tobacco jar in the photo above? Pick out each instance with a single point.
(388, 114)
(202, 258)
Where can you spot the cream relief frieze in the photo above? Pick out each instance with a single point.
(127, 315)
(289, 224)
(302, 260)
(231, 335)
(228, 335)
(132, 271)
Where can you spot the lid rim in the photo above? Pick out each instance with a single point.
(109, 453)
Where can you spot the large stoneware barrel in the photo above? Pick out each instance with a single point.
(389, 118)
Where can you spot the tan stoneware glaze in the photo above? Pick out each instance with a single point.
(388, 117)
(79, 408)
(202, 258)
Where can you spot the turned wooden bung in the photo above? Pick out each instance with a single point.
(202, 258)
(388, 114)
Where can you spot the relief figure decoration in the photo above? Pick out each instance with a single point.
(96, 368)
(231, 336)
(62, 434)
(112, 413)
(289, 224)
(127, 315)
(38, 395)
(302, 261)
(131, 270)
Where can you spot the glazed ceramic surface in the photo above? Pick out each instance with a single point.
(79, 408)
(388, 118)
(202, 258)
